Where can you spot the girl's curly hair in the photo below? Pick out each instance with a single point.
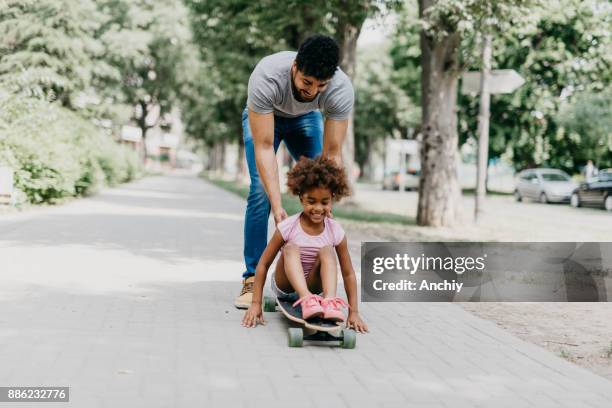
(320, 172)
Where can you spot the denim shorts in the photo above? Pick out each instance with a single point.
(293, 296)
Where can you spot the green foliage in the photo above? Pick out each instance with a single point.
(145, 43)
(565, 51)
(47, 47)
(586, 128)
(469, 17)
(108, 62)
(561, 48)
(101, 58)
(382, 108)
(405, 53)
(233, 35)
(57, 154)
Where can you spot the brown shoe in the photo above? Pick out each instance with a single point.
(243, 301)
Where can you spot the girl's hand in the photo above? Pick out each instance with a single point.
(354, 322)
(253, 316)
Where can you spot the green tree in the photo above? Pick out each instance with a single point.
(585, 126)
(146, 42)
(405, 52)
(562, 49)
(233, 35)
(449, 34)
(47, 48)
(562, 53)
(382, 108)
(230, 36)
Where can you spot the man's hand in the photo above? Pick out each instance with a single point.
(253, 316)
(354, 321)
(279, 215)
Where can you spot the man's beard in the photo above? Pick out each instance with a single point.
(296, 92)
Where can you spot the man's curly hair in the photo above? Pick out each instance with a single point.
(320, 172)
(318, 56)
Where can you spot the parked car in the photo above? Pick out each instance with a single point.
(391, 181)
(544, 185)
(595, 193)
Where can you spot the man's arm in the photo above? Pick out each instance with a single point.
(262, 129)
(333, 137)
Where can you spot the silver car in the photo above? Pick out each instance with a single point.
(544, 185)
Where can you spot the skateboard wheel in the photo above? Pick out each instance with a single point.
(349, 338)
(296, 337)
(269, 304)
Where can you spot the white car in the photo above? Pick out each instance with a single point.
(544, 185)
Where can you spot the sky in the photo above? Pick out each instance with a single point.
(376, 31)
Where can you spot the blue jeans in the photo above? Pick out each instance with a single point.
(303, 136)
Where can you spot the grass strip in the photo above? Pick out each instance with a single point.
(292, 205)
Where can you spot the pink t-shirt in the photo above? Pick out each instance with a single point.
(292, 231)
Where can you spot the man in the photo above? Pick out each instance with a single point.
(286, 93)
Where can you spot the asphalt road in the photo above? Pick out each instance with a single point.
(503, 218)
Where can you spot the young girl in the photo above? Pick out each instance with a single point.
(307, 240)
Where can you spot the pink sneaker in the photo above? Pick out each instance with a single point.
(331, 309)
(311, 306)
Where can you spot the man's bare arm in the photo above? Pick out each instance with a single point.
(262, 128)
(334, 134)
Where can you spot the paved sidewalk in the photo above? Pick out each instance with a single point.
(126, 298)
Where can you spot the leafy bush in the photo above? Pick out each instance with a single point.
(56, 153)
(587, 123)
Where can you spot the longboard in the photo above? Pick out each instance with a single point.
(294, 313)
(320, 329)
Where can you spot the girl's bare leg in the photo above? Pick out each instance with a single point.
(289, 274)
(313, 280)
(329, 271)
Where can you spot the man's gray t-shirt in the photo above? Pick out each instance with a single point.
(270, 91)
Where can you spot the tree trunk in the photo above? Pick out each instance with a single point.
(363, 162)
(368, 170)
(222, 150)
(212, 159)
(439, 192)
(348, 33)
(142, 124)
(305, 27)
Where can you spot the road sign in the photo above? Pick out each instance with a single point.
(500, 81)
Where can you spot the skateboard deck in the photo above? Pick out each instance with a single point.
(316, 329)
(295, 314)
